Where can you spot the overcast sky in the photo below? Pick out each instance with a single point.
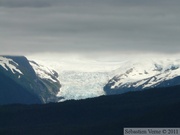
(89, 26)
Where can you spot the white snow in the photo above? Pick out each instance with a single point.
(43, 72)
(6, 62)
(141, 70)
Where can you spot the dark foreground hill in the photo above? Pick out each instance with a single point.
(106, 115)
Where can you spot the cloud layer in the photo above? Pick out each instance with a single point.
(88, 26)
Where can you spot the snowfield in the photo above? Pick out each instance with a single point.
(146, 72)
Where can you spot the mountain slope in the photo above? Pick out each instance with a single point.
(11, 92)
(104, 115)
(49, 82)
(18, 72)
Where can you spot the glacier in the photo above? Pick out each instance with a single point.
(79, 79)
(80, 85)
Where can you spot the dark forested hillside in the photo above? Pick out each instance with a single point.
(106, 115)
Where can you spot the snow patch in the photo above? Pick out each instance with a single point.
(43, 72)
(7, 64)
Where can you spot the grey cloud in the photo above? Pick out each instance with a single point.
(119, 3)
(90, 26)
(25, 3)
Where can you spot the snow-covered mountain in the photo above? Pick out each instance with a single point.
(86, 78)
(21, 83)
(59, 80)
(142, 74)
